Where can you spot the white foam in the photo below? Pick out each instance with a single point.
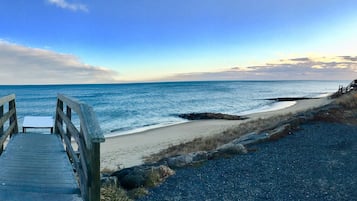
(273, 107)
(142, 129)
(323, 95)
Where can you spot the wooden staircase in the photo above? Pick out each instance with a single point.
(62, 166)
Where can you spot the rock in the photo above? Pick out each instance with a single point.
(232, 148)
(199, 156)
(207, 115)
(165, 171)
(281, 99)
(280, 132)
(157, 175)
(180, 161)
(251, 138)
(187, 159)
(132, 181)
(130, 178)
(227, 150)
(120, 174)
(109, 180)
(142, 176)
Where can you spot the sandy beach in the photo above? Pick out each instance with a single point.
(129, 150)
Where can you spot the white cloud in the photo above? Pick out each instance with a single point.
(24, 65)
(314, 68)
(71, 6)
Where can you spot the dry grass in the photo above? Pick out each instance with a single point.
(138, 193)
(108, 171)
(348, 101)
(211, 143)
(113, 193)
(345, 113)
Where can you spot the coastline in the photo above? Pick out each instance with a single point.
(129, 150)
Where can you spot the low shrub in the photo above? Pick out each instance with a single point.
(113, 193)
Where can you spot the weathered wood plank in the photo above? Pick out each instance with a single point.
(7, 116)
(8, 132)
(88, 139)
(6, 99)
(34, 196)
(87, 117)
(13, 118)
(36, 167)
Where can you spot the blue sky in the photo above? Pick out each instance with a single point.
(168, 40)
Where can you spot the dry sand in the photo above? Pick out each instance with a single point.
(129, 150)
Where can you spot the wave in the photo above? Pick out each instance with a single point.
(270, 107)
(120, 132)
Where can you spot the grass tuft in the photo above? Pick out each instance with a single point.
(138, 193)
(113, 193)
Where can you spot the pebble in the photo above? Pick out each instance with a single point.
(318, 162)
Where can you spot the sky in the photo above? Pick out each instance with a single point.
(90, 41)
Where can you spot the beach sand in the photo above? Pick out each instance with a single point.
(129, 150)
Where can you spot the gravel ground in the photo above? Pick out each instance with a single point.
(317, 162)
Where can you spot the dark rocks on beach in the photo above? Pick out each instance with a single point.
(179, 161)
(187, 159)
(108, 180)
(251, 138)
(235, 147)
(130, 178)
(280, 132)
(207, 115)
(142, 176)
(288, 99)
(226, 150)
(229, 149)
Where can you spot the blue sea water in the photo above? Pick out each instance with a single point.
(127, 108)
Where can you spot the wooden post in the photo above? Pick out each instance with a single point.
(95, 170)
(58, 117)
(13, 118)
(69, 115)
(87, 163)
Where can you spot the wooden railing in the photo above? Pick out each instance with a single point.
(344, 90)
(8, 116)
(85, 154)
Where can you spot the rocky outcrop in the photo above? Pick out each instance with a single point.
(207, 115)
(187, 159)
(228, 150)
(251, 138)
(225, 150)
(289, 99)
(279, 132)
(235, 147)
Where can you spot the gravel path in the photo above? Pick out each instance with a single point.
(318, 162)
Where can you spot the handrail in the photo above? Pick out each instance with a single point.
(86, 159)
(9, 116)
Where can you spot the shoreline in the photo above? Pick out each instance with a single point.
(277, 105)
(129, 150)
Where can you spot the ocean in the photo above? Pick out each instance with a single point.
(129, 108)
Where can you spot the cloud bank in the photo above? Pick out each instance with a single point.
(70, 6)
(24, 65)
(314, 68)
